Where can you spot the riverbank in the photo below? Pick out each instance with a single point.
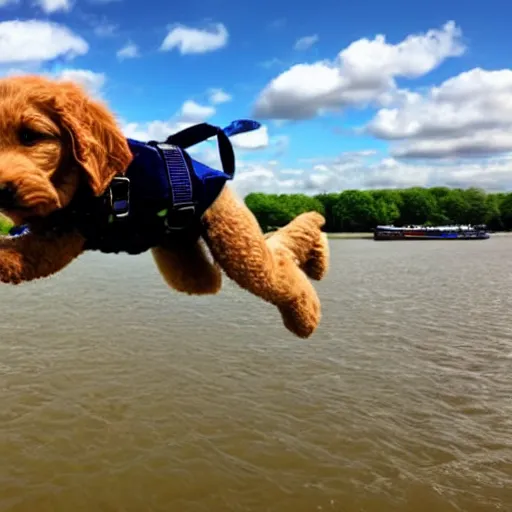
(349, 236)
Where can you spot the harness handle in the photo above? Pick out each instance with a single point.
(203, 131)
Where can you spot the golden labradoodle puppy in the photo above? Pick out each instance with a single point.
(69, 175)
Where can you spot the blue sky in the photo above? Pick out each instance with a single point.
(351, 95)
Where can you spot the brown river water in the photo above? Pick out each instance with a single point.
(118, 394)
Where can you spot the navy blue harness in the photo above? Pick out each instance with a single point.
(160, 199)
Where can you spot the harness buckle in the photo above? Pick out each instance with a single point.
(180, 217)
(119, 197)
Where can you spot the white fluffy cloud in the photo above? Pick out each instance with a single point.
(128, 51)
(193, 112)
(263, 177)
(467, 115)
(257, 139)
(51, 6)
(192, 40)
(350, 172)
(218, 96)
(91, 81)
(359, 75)
(154, 130)
(306, 42)
(189, 114)
(38, 41)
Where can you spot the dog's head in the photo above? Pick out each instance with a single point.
(53, 136)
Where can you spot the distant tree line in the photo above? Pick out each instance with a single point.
(362, 210)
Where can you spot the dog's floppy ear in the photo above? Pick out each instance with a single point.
(99, 147)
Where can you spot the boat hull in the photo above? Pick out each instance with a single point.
(384, 238)
(404, 234)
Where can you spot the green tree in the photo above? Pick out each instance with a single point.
(394, 200)
(506, 211)
(439, 192)
(273, 211)
(268, 210)
(328, 201)
(355, 210)
(453, 205)
(386, 212)
(493, 214)
(476, 206)
(417, 207)
(296, 204)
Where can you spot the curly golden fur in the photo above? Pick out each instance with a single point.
(53, 136)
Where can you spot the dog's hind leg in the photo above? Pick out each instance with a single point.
(187, 269)
(309, 245)
(272, 267)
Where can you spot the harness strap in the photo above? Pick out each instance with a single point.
(183, 211)
(178, 171)
(179, 176)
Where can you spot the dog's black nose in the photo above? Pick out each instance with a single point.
(7, 196)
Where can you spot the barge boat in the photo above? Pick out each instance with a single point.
(466, 232)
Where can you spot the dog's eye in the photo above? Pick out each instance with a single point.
(29, 137)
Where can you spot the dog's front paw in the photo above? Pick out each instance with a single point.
(301, 315)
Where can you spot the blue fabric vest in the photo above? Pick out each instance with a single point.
(160, 199)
